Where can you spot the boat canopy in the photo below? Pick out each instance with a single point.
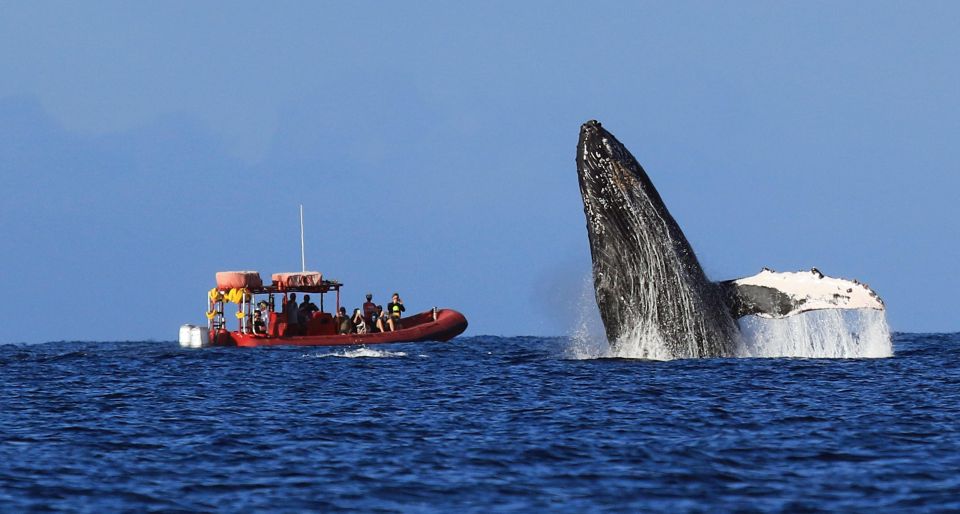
(307, 281)
(240, 287)
(238, 280)
(297, 279)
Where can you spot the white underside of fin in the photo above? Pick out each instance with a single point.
(812, 290)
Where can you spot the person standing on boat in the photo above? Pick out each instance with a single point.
(290, 310)
(369, 311)
(395, 308)
(306, 310)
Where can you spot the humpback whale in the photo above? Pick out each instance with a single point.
(648, 281)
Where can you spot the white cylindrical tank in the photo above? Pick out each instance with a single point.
(199, 337)
(185, 336)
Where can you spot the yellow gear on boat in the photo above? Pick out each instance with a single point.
(240, 314)
(234, 295)
(213, 294)
(211, 314)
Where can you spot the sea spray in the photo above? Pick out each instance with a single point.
(828, 334)
(587, 338)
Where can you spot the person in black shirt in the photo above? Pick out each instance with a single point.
(395, 309)
(290, 309)
(379, 318)
(307, 308)
(259, 328)
(359, 322)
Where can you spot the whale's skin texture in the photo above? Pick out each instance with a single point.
(647, 280)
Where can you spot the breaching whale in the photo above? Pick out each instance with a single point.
(648, 281)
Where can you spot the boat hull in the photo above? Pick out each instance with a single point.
(419, 327)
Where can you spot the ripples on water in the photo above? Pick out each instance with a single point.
(481, 423)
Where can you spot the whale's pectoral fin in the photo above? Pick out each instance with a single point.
(777, 295)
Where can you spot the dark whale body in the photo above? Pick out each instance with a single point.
(644, 270)
(647, 279)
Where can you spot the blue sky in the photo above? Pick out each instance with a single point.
(144, 146)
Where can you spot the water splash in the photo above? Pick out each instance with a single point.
(827, 334)
(587, 338)
(642, 342)
(363, 351)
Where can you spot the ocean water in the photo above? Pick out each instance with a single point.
(478, 424)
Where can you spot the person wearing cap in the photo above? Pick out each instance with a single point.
(369, 311)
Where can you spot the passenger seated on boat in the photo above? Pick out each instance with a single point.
(379, 319)
(344, 323)
(395, 308)
(264, 311)
(306, 310)
(259, 328)
(359, 322)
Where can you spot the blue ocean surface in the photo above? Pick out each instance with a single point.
(478, 424)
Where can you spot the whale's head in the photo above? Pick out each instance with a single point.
(645, 272)
(613, 184)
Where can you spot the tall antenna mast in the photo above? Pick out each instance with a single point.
(303, 258)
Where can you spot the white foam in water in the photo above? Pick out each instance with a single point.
(827, 334)
(363, 351)
(588, 339)
(642, 343)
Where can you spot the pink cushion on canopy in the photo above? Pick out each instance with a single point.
(297, 279)
(238, 280)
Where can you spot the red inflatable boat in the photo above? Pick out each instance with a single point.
(260, 324)
(419, 327)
